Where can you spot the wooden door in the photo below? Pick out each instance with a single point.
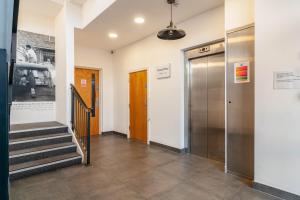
(138, 105)
(83, 84)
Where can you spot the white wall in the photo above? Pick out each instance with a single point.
(277, 127)
(36, 23)
(100, 59)
(65, 23)
(238, 13)
(61, 68)
(166, 97)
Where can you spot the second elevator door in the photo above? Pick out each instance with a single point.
(207, 114)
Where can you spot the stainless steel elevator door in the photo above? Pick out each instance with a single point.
(207, 107)
(198, 106)
(216, 107)
(240, 105)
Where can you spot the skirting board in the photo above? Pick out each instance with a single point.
(113, 133)
(275, 192)
(151, 142)
(168, 147)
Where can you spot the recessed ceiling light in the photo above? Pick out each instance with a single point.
(139, 20)
(112, 35)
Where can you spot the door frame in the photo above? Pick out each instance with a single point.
(100, 72)
(148, 102)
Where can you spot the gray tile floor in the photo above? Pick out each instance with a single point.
(128, 170)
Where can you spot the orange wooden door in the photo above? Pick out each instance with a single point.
(83, 84)
(138, 105)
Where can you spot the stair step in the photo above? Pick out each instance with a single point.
(41, 152)
(26, 126)
(28, 150)
(36, 141)
(40, 147)
(38, 166)
(16, 134)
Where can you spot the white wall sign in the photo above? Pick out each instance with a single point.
(163, 71)
(286, 80)
(83, 82)
(28, 112)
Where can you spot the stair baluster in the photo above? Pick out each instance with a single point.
(81, 120)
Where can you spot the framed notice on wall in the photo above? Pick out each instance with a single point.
(286, 80)
(163, 72)
(83, 82)
(242, 72)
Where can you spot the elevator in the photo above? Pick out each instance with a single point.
(206, 99)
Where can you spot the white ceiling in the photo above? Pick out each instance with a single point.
(119, 18)
(48, 8)
(79, 2)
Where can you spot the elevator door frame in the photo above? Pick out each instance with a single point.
(187, 95)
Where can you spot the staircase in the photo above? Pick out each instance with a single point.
(40, 147)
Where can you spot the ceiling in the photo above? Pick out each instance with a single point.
(48, 8)
(79, 2)
(119, 18)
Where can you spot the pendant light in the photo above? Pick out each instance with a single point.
(171, 32)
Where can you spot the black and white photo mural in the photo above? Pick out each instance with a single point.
(33, 91)
(34, 73)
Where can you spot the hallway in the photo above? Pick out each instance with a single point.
(128, 170)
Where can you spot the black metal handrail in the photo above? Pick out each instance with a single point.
(80, 121)
(81, 118)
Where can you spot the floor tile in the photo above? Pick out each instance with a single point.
(128, 170)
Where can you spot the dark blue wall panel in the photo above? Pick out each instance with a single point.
(4, 125)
